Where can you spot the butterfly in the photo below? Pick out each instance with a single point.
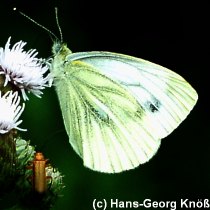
(116, 108)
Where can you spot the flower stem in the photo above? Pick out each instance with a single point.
(7, 160)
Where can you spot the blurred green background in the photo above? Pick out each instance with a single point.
(170, 34)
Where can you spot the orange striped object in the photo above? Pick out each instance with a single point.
(39, 178)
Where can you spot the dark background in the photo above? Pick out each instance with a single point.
(173, 35)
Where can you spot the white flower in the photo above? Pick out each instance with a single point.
(23, 69)
(10, 111)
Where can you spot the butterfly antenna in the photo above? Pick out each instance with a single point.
(41, 26)
(57, 22)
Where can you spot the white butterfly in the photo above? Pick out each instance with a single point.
(117, 108)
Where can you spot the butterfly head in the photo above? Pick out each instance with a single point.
(60, 48)
(60, 53)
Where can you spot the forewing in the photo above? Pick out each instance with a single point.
(165, 96)
(106, 124)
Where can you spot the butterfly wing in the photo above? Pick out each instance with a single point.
(166, 97)
(116, 108)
